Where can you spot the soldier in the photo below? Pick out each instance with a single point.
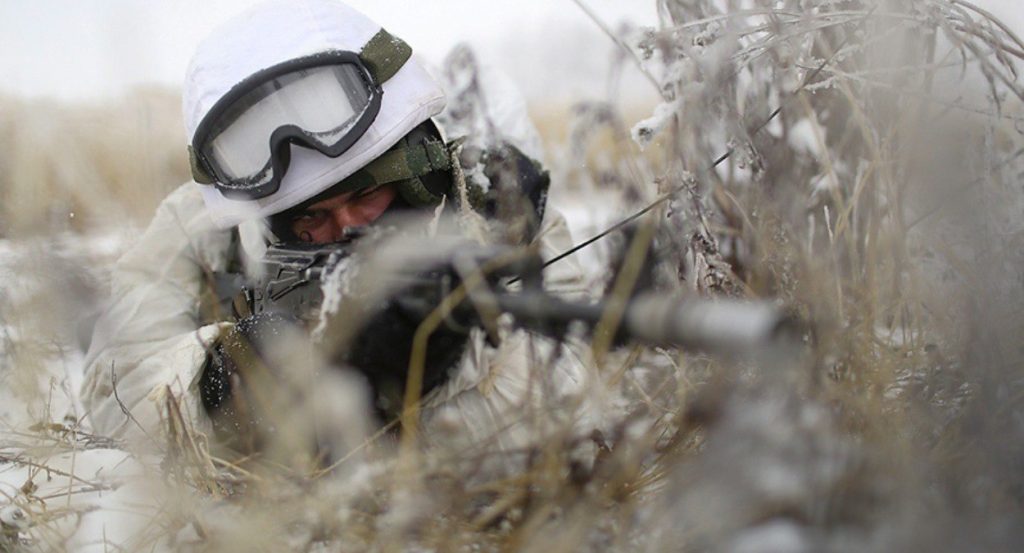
(305, 119)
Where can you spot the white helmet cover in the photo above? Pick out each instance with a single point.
(278, 31)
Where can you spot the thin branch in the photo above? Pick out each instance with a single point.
(632, 54)
(124, 408)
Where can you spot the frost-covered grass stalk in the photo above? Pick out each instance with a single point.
(871, 186)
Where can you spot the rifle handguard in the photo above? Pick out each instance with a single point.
(713, 326)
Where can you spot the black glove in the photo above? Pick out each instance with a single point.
(238, 362)
(519, 190)
(382, 349)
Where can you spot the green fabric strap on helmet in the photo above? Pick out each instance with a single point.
(404, 162)
(384, 55)
(416, 194)
(198, 173)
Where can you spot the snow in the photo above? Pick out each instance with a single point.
(43, 434)
(806, 136)
(771, 537)
(336, 285)
(648, 129)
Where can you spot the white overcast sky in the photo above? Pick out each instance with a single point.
(96, 49)
(87, 49)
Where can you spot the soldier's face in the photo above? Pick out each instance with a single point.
(326, 220)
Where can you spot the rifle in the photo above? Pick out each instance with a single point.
(488, 281)
(294, 276)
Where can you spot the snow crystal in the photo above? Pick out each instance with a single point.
(645, 131)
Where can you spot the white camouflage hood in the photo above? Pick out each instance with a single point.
(278, 31)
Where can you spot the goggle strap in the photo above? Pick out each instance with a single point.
(405, 162)
(384, 55)
(198, 173)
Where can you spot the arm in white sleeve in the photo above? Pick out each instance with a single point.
(149, 341)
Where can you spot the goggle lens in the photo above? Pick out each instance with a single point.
(325, 107)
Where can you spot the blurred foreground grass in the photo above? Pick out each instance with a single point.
(883, 205)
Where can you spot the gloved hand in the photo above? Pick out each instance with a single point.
(239, 375)
(519, 190)
(382, 349)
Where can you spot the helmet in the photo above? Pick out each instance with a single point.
(261, 139)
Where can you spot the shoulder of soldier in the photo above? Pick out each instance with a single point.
(484, 104)
(182, 228)
(184, 204)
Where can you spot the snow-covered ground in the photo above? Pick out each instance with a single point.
(45, 450)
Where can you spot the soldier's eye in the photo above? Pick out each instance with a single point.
(308, 221)
(366, 192)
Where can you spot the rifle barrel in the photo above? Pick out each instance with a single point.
(712, 326)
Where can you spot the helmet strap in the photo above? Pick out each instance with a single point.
(384, 55)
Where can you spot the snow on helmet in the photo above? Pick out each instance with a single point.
(272, 35)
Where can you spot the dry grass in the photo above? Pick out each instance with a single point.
(883, 205)
(88, 166)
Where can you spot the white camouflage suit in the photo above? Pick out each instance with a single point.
(150, 341)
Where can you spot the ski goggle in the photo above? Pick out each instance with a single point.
(324, 102)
